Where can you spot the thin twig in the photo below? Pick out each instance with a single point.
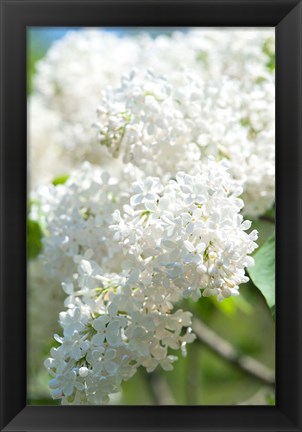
(192, 374)
(159, 389)
(225, 350)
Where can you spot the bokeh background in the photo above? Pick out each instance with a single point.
(203, 377)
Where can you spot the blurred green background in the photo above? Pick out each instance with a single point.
(202, 377)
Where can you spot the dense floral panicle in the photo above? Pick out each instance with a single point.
(165, 125)
(258, 114)
(235, 53)
(72, 88)
(109, 330)
(245, 57)
(76, 218)
(61, 80)
(180, 238)
(187, 235)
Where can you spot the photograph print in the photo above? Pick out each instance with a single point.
(151, 216)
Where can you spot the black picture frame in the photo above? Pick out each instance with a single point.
(16, 16)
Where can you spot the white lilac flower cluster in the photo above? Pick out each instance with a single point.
(246, 57)
(109, 330)
(233, 52)
(175, 239)
(163, 126)
(71, 87)
(243, 58)
(258, 114)
(76, 216)
(187, 235)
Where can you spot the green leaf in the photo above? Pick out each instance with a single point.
(60, 180)
(263, 272)
(34, 239)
